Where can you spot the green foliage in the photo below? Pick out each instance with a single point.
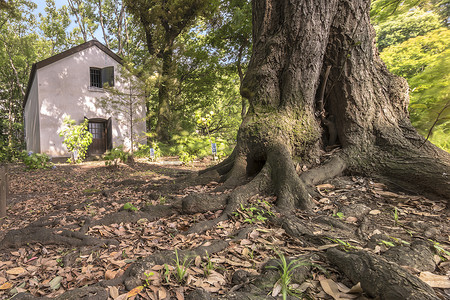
(440, 250)
(339, 214)
(395, 216)
(208, 266)
(405, 26)
(286, 269)
(36, 160)
(396, 241)
(77, 139)
(19, 48)
(129, 206)
(181, 268)
(144, 151)
(424, 61)
(257, 213)
(116, 155)
(385, 10)
(147, 283)
(346, 246)
(54, 25)
(190, 146)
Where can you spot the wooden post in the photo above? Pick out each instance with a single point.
(3, 189)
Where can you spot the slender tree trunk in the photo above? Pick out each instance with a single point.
(120, 21)
(102, 25)
(131, 118)
(163, 123)
(76, 11)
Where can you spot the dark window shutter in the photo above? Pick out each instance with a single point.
(108, 76)
(109, 143)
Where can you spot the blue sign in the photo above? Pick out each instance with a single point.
(214, 148)
(152, 152)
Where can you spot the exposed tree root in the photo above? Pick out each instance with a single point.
(39, 233)
(333, 168)
(45, 236)
(380, 278)
(240, 195)
(132, 276)
(88, 292)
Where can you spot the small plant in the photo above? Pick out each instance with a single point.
(60, 262)
(162, 200)
(339, 214)
(254, 214)
(251, 253)
(147, 278)
(346, 246)
(116, 155)
(387, 243)
(181, 268)
(439, 250)
(166, 273)
(77, 139)
(36, 160)
(208, 266)
(129, 206)
(395, 216)
(186, 158)
(286, 270)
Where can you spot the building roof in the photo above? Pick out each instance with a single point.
(65, 54)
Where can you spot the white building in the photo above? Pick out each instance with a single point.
(71, 83)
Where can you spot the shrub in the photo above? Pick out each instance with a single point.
(77, 139)
(190, 146)
(36, 160)
(116, 155)
(144, 151)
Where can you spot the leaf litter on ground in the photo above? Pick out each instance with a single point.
(40, 269)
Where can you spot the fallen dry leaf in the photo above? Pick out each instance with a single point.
(162, 293)
(276, 289)
(135, 291)
(436, 281)
(375, 212)
(356, 289)
(6, 286)
(325, 186)
(351, 219)
(110, 274)
(16, 271)
(330, 287)
(113, 292)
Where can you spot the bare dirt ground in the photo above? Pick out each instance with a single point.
(86, 226)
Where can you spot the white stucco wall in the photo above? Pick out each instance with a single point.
(64, 89)
(31, 115)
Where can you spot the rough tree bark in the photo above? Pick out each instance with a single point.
(295, 43)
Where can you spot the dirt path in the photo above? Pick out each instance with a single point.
(67, 230)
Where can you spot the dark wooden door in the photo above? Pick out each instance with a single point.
(98, 130)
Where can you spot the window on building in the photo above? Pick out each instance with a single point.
(97, 130)
(96, 77)
(101, 77)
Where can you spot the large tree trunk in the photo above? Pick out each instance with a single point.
(370, 106)
(364, 107)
